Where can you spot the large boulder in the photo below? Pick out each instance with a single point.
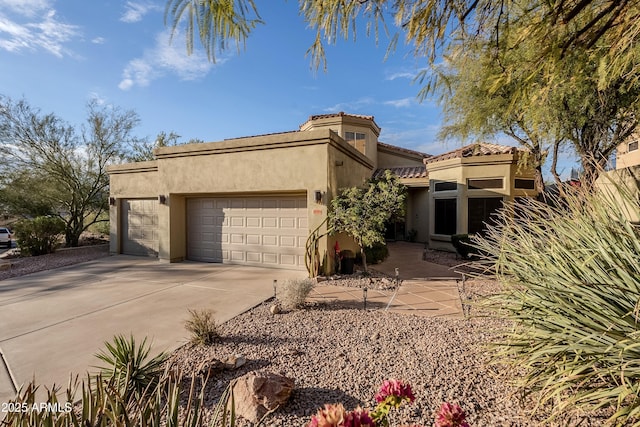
(257, 393)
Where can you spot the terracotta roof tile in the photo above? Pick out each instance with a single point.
(477, 149)
(340, 114)
(404, 172)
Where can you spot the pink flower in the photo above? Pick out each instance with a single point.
(396, 389)
(336, 416)
(450, 415)
(359, 418)
(330, 416)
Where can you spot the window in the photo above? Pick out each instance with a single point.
(446, 216)
(525, 184)
(446, 186)
(480, 213)
(483, 184)
(633, 146)
(356, 139)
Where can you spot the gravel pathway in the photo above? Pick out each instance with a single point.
(343, 355)
(61, 258)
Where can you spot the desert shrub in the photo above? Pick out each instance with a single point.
(101, 403)
(293, 293)
(461, 243)
(572, 282)
(376, 253)
(202, 326)
(40, 235)
(129, 365)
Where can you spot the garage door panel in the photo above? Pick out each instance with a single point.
(139, 220)
(270, 222)
(288, 241)
(252, 230)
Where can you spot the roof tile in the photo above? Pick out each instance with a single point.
(472, 150)
(404, 172)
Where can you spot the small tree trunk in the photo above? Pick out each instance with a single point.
(364, 258)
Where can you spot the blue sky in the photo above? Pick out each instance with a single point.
(60, 54)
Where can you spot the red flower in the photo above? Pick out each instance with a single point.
(396, 389)
(451, 415)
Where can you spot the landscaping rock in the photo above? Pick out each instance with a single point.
(275, 309)
(257, 393)
(234, 362)
(210, 366)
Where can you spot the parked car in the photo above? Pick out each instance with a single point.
(5, 236)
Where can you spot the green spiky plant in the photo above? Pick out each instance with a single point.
(572, 291)
(130, 364)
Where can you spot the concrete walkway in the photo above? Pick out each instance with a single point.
(427, 289)
(52, 323)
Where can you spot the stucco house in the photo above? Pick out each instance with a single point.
(625, 175)
(255, 200)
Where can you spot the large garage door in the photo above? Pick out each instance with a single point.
(140, 227)
(265, 231)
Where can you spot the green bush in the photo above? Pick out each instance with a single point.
(202, 326)
(40, 235)
(130, 366)
(572, 290)
(461, 242)
(375, 254)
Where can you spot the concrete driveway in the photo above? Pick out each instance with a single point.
(52, 323)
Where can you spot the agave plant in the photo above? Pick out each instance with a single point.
(129, 365)
(572, 281)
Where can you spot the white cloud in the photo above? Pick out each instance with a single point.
(95, 96)
(350, 106)
(400, 103)
(98, 40)
(29, 8)
(42, 30)
(135, 11)
(166, 57)
(401, 75)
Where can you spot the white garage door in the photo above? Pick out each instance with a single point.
(140, 227)
(265, 231)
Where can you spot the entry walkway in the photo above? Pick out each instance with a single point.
(427, 289)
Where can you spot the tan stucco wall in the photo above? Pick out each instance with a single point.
(346, 123)
(625, 158)
(129, 181)
(289, 163)
(623, 181)
(459, 170)
(418, 213)
(388, 159)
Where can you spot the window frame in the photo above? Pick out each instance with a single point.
(471, 187)
(449, 215)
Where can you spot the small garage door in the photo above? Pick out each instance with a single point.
(140, 227)
(264, 231)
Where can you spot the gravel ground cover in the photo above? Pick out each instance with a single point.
(61, 258)
(343, 355)
(336, 354)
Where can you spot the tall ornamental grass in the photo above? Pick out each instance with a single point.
(571, 270)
